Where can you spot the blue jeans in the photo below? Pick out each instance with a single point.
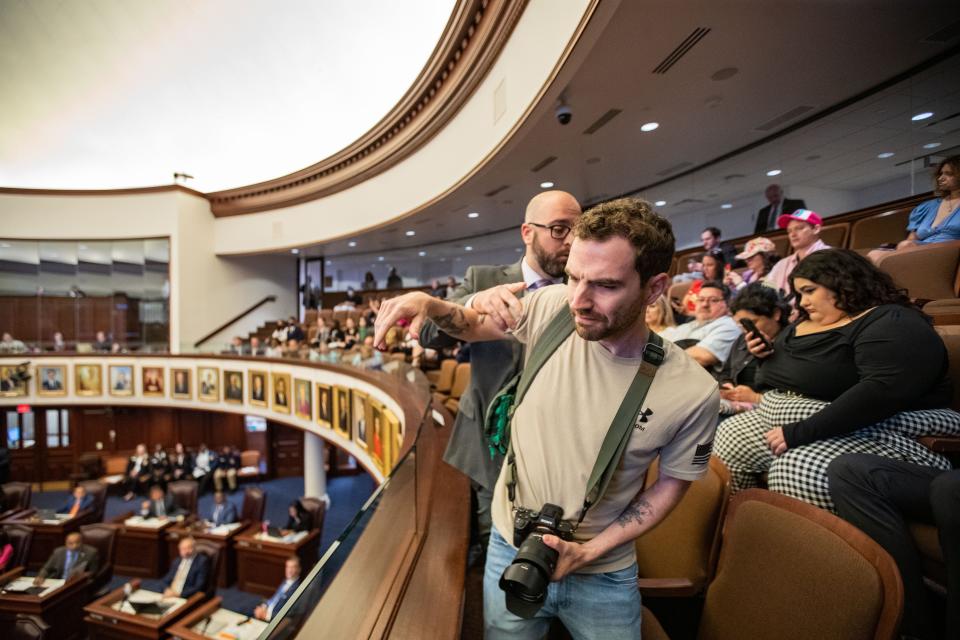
(605, 606)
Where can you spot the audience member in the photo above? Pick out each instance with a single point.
(710, 336)
(294, 332)
(366, 356)
(102, 343)
(137, 475)
(9, 344)
(159, 466)
(710, 238)
(280, 332)
(860, 371)
(319, 332)
(694, 271)
(70, 560)
(364, 328)
(237, 348)
(369, 282)
(349, 333)
(274, 350)
(226, 467)
(268, 608)
(291, 349)
(766, 308)
(660, 315)
(203, 464)
(768, 216)
(337, 339)
(394, 281)
(881, 497)
(298, 518)
(58, 342)
(188, 573)
(760, 255)
(181, 463)
(159, 505)
(803, 231)
(256, 349)
(713, 266)
(223, 511)
(353, 297)
(436, 290)
(6, 551)
(451, 286)
(79, 501)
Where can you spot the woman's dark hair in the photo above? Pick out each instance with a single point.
(717, 255)
(762, 300)
(856, 282)
(954, 162)
(769, 259)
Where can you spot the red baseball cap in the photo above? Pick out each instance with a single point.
(803, 215)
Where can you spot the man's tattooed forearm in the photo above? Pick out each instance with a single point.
(637, 511)
(454, 322)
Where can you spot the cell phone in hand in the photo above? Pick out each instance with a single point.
(751, 327)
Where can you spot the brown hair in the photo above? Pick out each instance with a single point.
(632, 219)
(954, 162)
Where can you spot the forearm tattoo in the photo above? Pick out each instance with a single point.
(454, 322)
(639, 510)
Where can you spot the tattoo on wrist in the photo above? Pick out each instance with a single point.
(639, 510)
(454, 322)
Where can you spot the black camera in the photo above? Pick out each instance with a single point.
(526, 579)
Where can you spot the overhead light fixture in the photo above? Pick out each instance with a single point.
(329, 262)
(922, 116)
(726, 205)
(468, 248)
(473, 214)
(411, 233)
(649, 126)
(885, 155)
(380, 258)
(546, 185)
(660, 203)
(774, 172)
(422, 253)
(351, 244)
(294, 251)
(931, 145)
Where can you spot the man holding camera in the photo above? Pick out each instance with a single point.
(577, 503)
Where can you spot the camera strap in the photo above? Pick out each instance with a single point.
(618, 435)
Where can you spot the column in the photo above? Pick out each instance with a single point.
(314, 476)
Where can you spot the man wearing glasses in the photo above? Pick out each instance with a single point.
(710, 336)
(545, 232)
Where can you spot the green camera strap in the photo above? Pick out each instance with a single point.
(618, 435)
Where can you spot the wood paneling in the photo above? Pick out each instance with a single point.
(286, 450)
(34, 319)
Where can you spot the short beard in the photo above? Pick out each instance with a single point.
(621, 321)
(552, 264)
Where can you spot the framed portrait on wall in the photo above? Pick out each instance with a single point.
(153, 381)
(341, 411)
(52, 380)
(377, 435)
(208, 383)
(12, 383)
(281, 392)
(121, 379)
(258, 388)
(233, 386)
(180, 384)
(325, 405)
(303, 399)
(89, 379)
(396, 436)
(358, 410)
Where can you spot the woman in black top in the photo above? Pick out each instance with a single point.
(861, 371)
(298, 518)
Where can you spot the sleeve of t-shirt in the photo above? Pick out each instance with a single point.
(687, 456)
(918, 214)
(720, 339)
(899, 358)
(539, 307)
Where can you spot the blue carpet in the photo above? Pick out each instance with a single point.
(347, 495)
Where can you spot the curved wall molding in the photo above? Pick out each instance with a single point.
(330, 375)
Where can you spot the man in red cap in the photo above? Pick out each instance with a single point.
(803, 230)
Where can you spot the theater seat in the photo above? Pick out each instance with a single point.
(16, 495)
(677, 292)
(835, 235)
(29, 627)
(461, 378)
(317, 509)
(927, 272)
(791, 571)
(254, 504)
(445, 378)
(870, 233)
(102, 537)
(184, 494)
(678, 557)
(98, 491)
(20, 536)
(249, 465)
(214, 553)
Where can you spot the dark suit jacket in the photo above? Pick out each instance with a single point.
(196, 576)
(789, 206)
(185, 467)
(144, 467)
(492, 364)
(228, 514)
(85, 503)
(87, 560)
(169, 507)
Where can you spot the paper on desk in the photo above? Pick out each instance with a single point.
(144, 596)
(49, 585)
(148, 523)
(224, 529)
(225, 625)
(57, 518)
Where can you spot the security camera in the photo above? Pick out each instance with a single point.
(564, 114)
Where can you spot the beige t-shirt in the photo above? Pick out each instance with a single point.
(558, 428)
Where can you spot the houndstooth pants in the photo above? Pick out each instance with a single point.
(801, 472)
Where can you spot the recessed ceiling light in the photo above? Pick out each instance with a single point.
(351, 244)
(774, 172)
(726, 205)
(422, 253)
(473, 214)
(922, 116)
(546, 185)
(885, 155)
(380, 258)
(411, 233)
(649, 126)
(660, 203)
(329, 262)
(931, 145)
(468, 248)
(294, 251)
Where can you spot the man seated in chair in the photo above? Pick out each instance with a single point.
(709, 338)
(70, 560)
(80, 501)
(160, 505)
(188, 573)
(223, 511)
(268, 608)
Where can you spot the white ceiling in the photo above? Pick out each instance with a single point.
(123, 93)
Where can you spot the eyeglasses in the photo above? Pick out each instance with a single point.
(557, 231)
(711, 300)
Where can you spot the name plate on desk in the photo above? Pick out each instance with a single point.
(146, 523)
(24, 587)
(229, 625)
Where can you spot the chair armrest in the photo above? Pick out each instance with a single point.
(668, 587)
(941, 444)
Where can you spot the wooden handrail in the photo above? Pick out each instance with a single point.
(270, 298)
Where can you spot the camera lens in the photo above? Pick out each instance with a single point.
(526, 580)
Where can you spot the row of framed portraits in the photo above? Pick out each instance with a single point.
(351, 413)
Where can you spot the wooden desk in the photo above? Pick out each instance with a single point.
(103, 621)
(260, 563)
(189, 626)
(62, 608)
(48, 535)
(142, 551)
(228, 564)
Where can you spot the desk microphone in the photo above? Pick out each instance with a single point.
(206, 623)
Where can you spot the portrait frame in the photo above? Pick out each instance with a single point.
(342, 424)
(396, 436)
(264, 388)
(276, 379)
(378, 435)
(60, 378)
(360, 418)
(231, 395)
(13, 391)
(208, 384)
(325, 410)
(175, 391)
(88, 379)
(303, 390)
(150, 376)
(113, 379)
